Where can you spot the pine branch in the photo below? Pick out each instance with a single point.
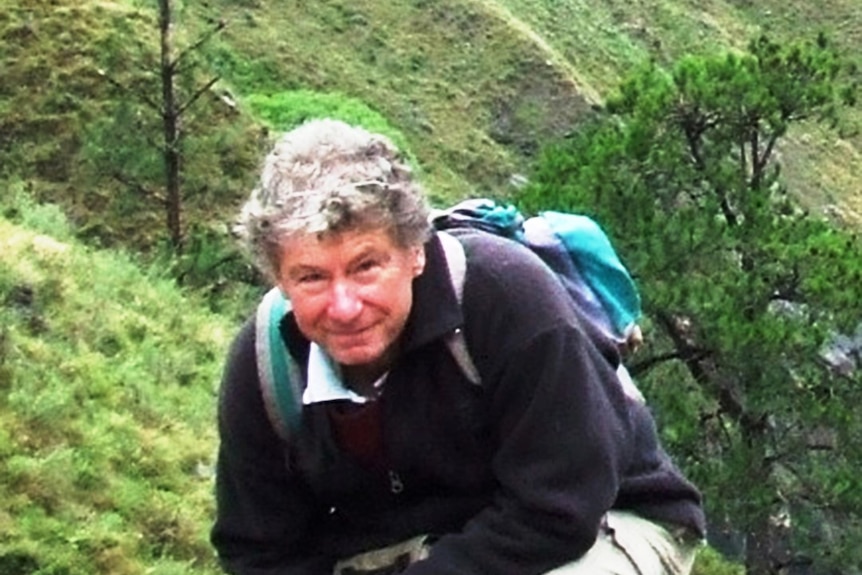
(220, 25)
(141, 95)
(196, 96)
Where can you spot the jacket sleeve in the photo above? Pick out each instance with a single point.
(561, 426)
(262, 510)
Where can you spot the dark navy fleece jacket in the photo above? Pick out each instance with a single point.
(512, 476)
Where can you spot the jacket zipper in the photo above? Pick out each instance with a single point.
(396, 486)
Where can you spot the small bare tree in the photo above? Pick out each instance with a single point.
(171, 109)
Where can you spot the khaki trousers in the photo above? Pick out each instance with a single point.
(629, 545)
(632, 545)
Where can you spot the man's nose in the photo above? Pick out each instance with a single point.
(344, 304)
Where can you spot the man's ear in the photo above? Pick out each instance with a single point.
(418, 261)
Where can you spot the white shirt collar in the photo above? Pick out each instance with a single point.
(325, 382)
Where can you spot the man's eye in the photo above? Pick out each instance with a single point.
(309, 278)
(367, 265)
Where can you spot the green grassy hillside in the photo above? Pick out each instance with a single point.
(475, 87)
(108, 378)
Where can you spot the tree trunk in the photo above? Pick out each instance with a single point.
(761, 532)
(758, 551)
(762, 536)
(171, 129)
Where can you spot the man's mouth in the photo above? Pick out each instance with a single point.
(352, 333)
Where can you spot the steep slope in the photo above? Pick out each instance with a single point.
(473, 94)
(475, 86)
(107, 401)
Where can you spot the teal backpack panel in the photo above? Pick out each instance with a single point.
(598, 262)
(573, 245)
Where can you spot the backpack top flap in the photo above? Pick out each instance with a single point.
(573, 245)
(598, 263)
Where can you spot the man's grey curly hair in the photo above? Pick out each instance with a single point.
(326, 177)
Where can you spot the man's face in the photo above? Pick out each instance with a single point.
(351, 292)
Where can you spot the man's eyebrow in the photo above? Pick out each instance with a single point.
(365, 253)
(382, 256)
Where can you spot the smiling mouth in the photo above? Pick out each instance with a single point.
(354, 333)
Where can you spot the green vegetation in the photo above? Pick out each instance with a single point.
(107, 391)
(285, 110)
(475, 87)
(108, 359)
(742, 288)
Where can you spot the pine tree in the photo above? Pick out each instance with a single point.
(742, 287)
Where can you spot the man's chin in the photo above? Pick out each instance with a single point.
(355, 357)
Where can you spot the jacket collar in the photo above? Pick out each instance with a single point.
(436, 311)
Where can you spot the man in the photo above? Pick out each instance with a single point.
(399, 461)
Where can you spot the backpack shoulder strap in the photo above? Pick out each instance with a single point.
(456, 260)
(277, 371)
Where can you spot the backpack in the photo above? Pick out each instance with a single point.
(573, 246)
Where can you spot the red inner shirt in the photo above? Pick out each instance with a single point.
(358, 431)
